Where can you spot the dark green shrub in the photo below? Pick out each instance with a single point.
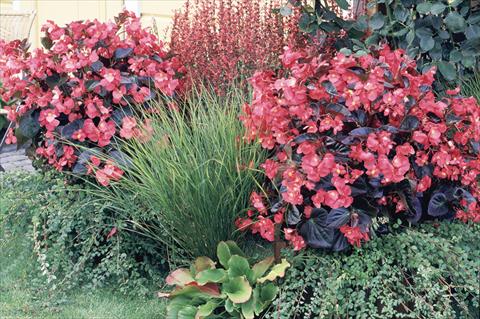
(443, 33)
(76, 239)
(430, 272)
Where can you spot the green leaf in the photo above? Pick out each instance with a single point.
(377, 21)
(277, 271)
(410, 36)
(427, 43)
(342, 4)
(238, 289)
(248, 309)
(223, 254)
(206, 309)
(179, 277)
(211, 275)
(234, 249)
(424, 7)
(268, 292)
(260, 268)
(175, 305)
(447, 70)
(455, 22)
(203, 263)
(400, 13)
(238, 266)
(472, 32)
(437, 8)
(455, 56)
(187, 312)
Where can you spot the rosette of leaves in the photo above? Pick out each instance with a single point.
(234, 290)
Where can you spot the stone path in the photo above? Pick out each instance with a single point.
(12, 159)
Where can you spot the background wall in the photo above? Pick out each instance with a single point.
(63, 11)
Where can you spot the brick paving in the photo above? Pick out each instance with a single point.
(12, 159)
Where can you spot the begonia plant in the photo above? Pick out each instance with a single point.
(357, 144)
(80, 88)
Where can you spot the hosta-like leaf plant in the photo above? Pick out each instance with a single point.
(234, 290)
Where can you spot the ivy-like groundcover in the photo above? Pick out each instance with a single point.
(426, 272)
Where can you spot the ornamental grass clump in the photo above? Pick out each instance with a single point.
(358, 144)
(192, 175)
(80, 84)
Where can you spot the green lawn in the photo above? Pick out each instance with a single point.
(20, 300)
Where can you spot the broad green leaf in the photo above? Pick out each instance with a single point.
(229, 305)
(260, 268)
(238, 266)
(234, 249)
(187, 312)
(179, 277)
(238, 289)
(400, 13)
(223, 254)
(211, 275)
(209, 290)
(455, 22)
(455, 56)
(427, 43)
(447, 70)
(437, 8)
(278, 271)
(377, 21)
(268, 292)
(175, 305)
(203, 263)
(410, 36)
(248, 309)
(206, 309)
(424, 7)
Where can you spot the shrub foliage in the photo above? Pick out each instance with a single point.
(357, 143)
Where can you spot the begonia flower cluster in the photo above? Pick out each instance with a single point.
(83, 85)
(356, 144)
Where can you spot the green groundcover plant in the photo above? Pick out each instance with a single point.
(76, 240)
(427, 272)
(193, 174)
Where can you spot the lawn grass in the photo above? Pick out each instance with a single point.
(21, 297)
